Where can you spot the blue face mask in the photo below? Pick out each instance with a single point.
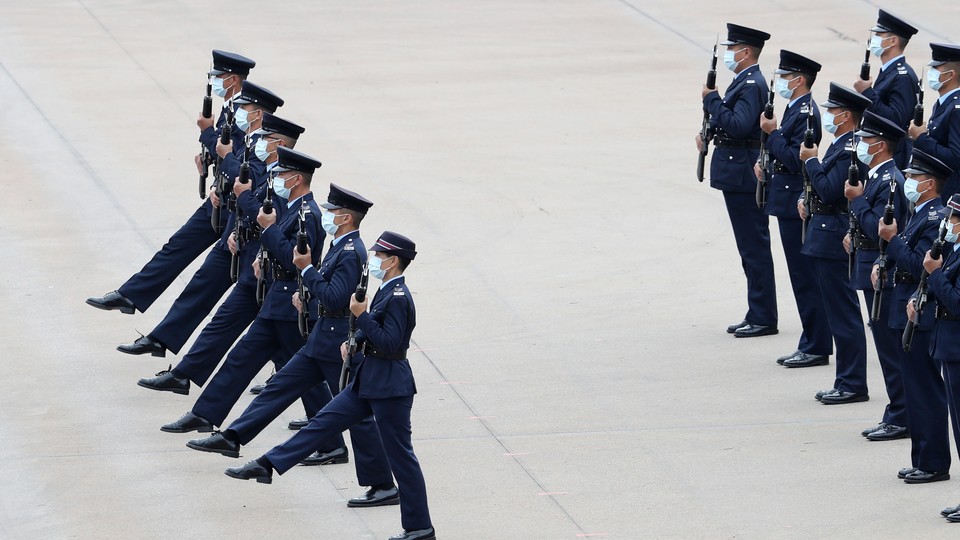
(242, 119)
(951, 236)
(783, 88)
(876, 46)
(863, 152)
(327, 221)
(279, 188)
(933, 78)
(373, 265)
(217, 87)
(260, 149)
(828, 119)
(728, 59)
(910, 190)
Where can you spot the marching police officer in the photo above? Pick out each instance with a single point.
(734, 120)
(796, 75)
(922, 382)
(894, 93)
(196, 235)
(383, 386)
(941, 136)
(826, 228)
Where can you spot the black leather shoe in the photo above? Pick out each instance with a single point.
(733, 327)
(299, 423)
(902, 473)
(376, 497)
(783, 359)
(166, 382)
(889, 432)
(870, 430)
(187, 423)
(143, 345)
(422, 534)
(333, 457)
(954, 517)
(952, 510)
(837, 397)
(113, 300)
(257, 388)
(251, 471)
(807, 360)
(755, 330)
(820, 393)
(217, 444)
(924, 477)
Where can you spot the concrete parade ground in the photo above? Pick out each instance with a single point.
(573, 283)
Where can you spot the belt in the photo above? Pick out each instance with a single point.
(867, 243)
(943, 314)
(370, 350)
(724, 142)
(280, 274)
(334, 314)
(817, 207)
(779, 168)
(904, 277)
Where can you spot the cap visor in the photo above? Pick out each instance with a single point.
(329, 206)
(727, 43)
(935, 63)
(878, 28)
(863, 133)
(911, 170)
(831, 105)
(215, 72)
(781, 71)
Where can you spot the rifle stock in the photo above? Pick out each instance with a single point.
(764, 157)
(706, 133)
(882, 260)
(361, 294)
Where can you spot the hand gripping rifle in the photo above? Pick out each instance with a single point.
(264, 267)
(240, 229)
(922, 290)
(918, 108)
(807, 184)
(882, 260)
(865, 66)
(764, 159)
(706, 132)
(303, 317)
(220, 182)
(352, 335)
(853, 178)
(206, 160)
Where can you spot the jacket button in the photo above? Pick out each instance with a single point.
(787, 187)
(729, 157)
(822, 225)
(284, 288)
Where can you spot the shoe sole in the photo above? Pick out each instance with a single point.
(939, 479)
(180, 391)
(334, 461)
(125, 310)
(228, 453)
(898, 437)
(767, 333)
(387, 502)
(160, 354)
(852, 400)
(202, 429)
(811, 364)
(259, 479)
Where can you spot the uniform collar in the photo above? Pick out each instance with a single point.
(385, 283)
(942, 99)
(891, 62)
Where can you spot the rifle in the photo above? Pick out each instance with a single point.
(882, 260)
(206, 159)
(807, 184)
(352, 335)
(220, 182)
(764, 158)
(303, 317)
(922, 290)
(264, 267)
(239, 228)
(706, 132)
(853, 178)
(918, 108)
(865, 66)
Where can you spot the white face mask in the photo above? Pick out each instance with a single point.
(783, 88)
(260, 149)
(951, 236)
(876, 45)
(279, 188)
(729, 61)
(910, 191)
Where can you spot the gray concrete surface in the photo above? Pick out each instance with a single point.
(573, 284)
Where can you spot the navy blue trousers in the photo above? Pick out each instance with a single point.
(751, 230)
(816, 337)
(887, 342)
(232, 318)
(205, 289)
(393, 423)
(845, 322)
(265, 339)
(951, 379)
(195, 236)
(926, 397)
(301, 374)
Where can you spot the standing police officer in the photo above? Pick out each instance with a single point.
(796, 75)
(894, 93)
(941, 137)
(734, 120)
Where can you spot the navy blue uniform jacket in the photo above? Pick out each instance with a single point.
(387, 326)
(894, 96)
(281, 239)
(737, 116)
(825, 232)
(945, 341)
(869, 210)
(906, 250)
(331, 286)
(784, 145)
(942, 139)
